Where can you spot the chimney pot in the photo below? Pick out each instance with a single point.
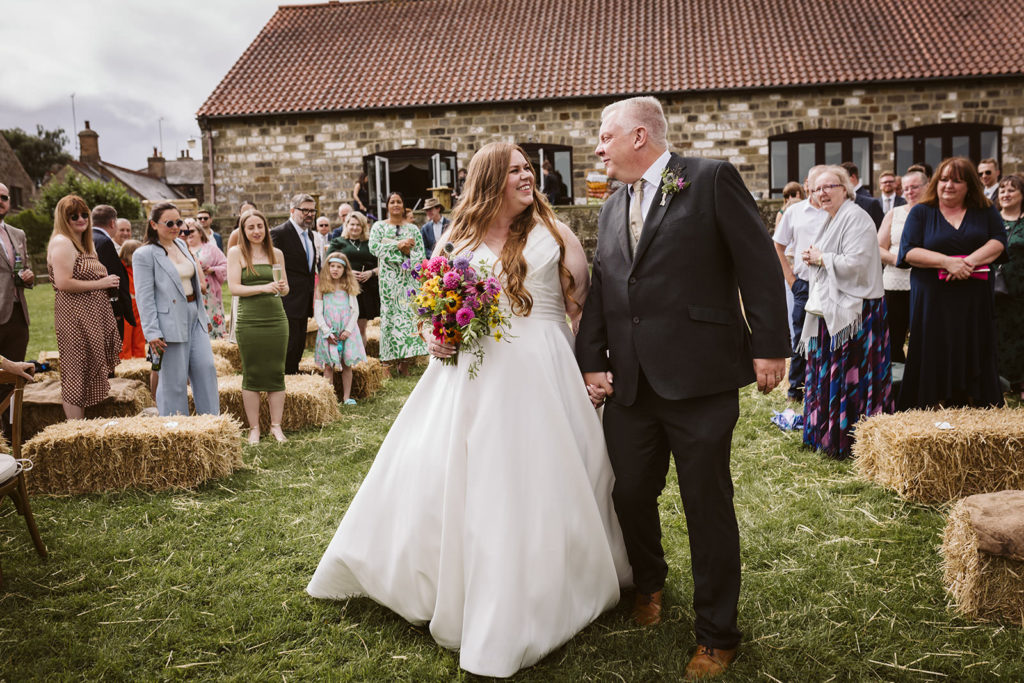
(89, 145)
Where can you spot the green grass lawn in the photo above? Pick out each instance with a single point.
(842, 580)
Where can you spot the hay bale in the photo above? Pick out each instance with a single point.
(921, 462)
(309, 402)
(372, 340)
(152, 453)
(367, 377)
(983, 585)
(223, 365)
(134, 368)
(311, 330)
(229, 350)
(52, 358)
(42, 405)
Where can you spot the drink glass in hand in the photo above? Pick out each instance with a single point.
(278, 272)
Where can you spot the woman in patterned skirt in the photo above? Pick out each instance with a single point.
(87, 336)
(396, 244)
(845, 338)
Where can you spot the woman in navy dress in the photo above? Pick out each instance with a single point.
(949, 239)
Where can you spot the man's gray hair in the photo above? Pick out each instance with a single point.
(641, 111)
(299, 199)
(814, 171)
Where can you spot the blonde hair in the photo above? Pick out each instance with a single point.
(364, 230)
(246, 247)
(347, 283)
(128, 250)
(72, 203)
(193, 224)
(481, 204)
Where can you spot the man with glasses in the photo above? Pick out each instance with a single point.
(104, 224)
(295, 239)
(206, 221)
(988, 171)
(887, 196)
(13, 307)
(799, 224)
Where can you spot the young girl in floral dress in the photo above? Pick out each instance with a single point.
(335, 309)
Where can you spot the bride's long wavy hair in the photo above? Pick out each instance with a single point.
(480, 206)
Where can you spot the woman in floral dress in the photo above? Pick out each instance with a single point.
(215, 270)
(396, 244)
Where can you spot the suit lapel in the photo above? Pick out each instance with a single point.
(619, 221)
(659, 207)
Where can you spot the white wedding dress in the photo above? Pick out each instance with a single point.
(488, 512)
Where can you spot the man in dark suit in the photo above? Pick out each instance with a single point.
(887, 197)
(295, 239)
(435, 226)
(663, 336)
(863, 197)
(104, 223)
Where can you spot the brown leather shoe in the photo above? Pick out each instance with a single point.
(708, 662)
(647, 608)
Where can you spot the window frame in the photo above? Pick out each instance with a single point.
(946, 131)
(820, 137)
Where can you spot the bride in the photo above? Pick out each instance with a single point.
(487, 512)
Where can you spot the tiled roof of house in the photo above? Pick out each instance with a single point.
(141, 185)
(380, 54)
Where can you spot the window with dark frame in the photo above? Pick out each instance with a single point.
(791, 155)
(560, 157)
(931, 144)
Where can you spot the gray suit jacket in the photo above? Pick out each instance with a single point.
(8, 292)
(160, 297)
(674, 310)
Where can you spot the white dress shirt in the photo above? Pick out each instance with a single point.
(652, 181)
(303, 237)
(799, 224)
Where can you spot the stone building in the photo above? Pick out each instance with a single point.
(772, 86)
(12, 174)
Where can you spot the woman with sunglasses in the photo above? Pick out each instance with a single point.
(87, 337)
(168, 291)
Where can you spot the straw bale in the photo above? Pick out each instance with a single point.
(152, 453)
(223, 366)
(51, 357)
(4, 446)
(908, 453)
(311, 330)
(309, 401)
(367, 377)
(229, 350)
(134, 368)
(372, 340)
(983, 586)
(42, 405)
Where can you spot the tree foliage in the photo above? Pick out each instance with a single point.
(92, 191)
(40, 152)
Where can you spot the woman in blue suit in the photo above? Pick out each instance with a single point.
(168, 293)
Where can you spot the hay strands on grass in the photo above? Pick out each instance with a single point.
(152, 453)
(970, 451)
(367, 377)
(983, 586)
(309, 402)
(42, 406)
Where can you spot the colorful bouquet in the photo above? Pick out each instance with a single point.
(459, 303)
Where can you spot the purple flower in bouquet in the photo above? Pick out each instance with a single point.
(492, 286)
(464, 315)
(451, 280)
(461, 263)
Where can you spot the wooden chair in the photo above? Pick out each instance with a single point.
(15, 486)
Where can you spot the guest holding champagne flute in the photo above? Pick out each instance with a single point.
(257, 280)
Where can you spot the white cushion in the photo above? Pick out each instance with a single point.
(8, 467)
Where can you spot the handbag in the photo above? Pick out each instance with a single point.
(999, 282)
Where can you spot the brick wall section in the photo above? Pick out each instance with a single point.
(270, 158)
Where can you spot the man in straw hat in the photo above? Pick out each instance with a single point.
(435, 226)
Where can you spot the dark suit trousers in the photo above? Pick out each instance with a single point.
(14, 335)
(698, 433)
(296, 344)
(797, 363)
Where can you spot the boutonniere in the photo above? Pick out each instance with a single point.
(672, 184)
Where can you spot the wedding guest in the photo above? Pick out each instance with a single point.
(214, 267)
(888, 196)
(122, 233)
(792, 193)
(133, 345)
(321, 238)
(87, 336)
(14, 315)
(435, 226)
(844, 339)
(395, 241)
(410, 216)
(205, 219)
(896, 279)
(361, 194)
(262, 328)
(949, 239)
(339, 345)
(294, 238)
(355, 245)
(344, 211)
(988, 171)
(1009, 306)
(244, 208)
(168, 293)
(104, 224)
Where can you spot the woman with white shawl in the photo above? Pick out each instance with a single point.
(845, 337)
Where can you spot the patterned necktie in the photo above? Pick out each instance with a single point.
(636, 213)
(309, 251)
(888, 204)
(8, 245)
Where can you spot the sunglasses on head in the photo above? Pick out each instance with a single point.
(173, 224)
(5, 197)
(185, 233)
(78, 216)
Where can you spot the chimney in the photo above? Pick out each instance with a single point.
(89, 145)
(157, 166)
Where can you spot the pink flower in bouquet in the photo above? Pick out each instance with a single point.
(464, 315)
(451, 280)
(437, 264)
(492, 286)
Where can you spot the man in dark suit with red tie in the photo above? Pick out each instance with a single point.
(294, 238)
(664, 337)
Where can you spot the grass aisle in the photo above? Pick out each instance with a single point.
(842, 580)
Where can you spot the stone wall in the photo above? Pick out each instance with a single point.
(13, 175)
(270, 158)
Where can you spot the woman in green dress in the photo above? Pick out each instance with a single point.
(257, 278)
(354, 243)
(395, 242)
(1010, 306)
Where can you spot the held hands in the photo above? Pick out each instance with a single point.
(109, 282)
(436, 348)
(275, 287)
(363, 275)
(958, 268)
(599, 386)
(345, 335)
(405, 246)
(811, 256)
(770, 372)
(28, 277)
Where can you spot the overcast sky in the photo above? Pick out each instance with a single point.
(129, 63)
